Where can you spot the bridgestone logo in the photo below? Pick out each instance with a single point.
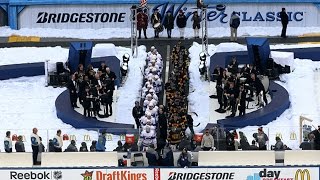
(44, 17)
(29, 175)
(201, 176)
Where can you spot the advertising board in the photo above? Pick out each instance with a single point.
(118, 15)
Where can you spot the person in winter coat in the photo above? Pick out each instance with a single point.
(181, 23)
(120, 147)
(305, 145)
(284, 21)
(196, 24)
(51, 146)
(142, 23)
(279, 144)
(234, 24)
(137, 113)
(72, 147)
(163, 124)
(167, 156)
(8, 142)
(184, 159)
(93, 146)
(83, 147)
(152, 156)
(101, 144)
(168, 23)
(315, 138)
(261, 138)
(19, 146)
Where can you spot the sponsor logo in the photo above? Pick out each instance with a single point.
(87, 175)
(120, 175)
(216, 13)
(45, 17)
(197, 176)
(255, 176)
(30, 175)
(302, 175)
(86, 137)
(156, 174)
(57, 175)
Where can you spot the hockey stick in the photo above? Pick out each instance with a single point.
(197, 116)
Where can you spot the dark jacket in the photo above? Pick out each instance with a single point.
(167, 158)
(284, 17)
(152, 157)
(181, 21)
(155, 20)
(19, 146)
(137, 112)
(111, 75)
(83, 147)
(184, 160)
(71, 148)
(142, 21)
(305, 145)
(234, 21)
(168, 22)
(196, 22)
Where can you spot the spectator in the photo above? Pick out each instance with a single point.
(253, 146)
(279, 144)
(137, 113)
(234, 24)
(198, 147)
(51, 146)
(196, 24)
(83, 147)
(185, 144)
(101, 144)
(152, 156)
(93, 146)
(168, 23)
(35, 142)
(184, 159)
(316, 134)
(207, 143)
(305, 145)
(120, 148)
(167, 156)
(230, 142)
(58, 142)
(72, 147)
(8, 142)
(311, 139)
(19, 146)
(261, 138)
(181, 23)
(244, 142)
(284, 21)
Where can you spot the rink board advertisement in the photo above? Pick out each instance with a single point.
(118, 15)
(232, 173)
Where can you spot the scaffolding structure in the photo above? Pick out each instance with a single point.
(204, 27)
(134, 34)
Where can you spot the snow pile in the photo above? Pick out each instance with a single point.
(102, 50)
(130, 91)
(107, 33)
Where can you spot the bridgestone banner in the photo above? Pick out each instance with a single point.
(118, 16)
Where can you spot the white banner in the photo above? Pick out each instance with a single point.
(241, 173)
(118, 16)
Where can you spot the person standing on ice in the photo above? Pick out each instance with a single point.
(181, 23)
(35, 144)
(284, 21)
(137, 113)
(234, 24)
(196, 24)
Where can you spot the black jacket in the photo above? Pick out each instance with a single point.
(168, 22)
(137, 112)
(154, 20)
(72, 88)
(112, 77)
(20, 146)
(284, 17)
(181, 21)
(196, 22)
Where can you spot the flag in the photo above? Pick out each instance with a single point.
(143, 3)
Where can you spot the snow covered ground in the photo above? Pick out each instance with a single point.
(302, 85)
(108, 33)
(23, 110)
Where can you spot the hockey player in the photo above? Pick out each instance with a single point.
(158, 84)
(147, 137)
(150, 123)
(150, 52)
(153, 110)
(152, 93)
(148, 101)
(147, 118)
(145, 92)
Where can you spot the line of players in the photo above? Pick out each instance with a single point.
(233, 85)
(177, 90)
(153, 86)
